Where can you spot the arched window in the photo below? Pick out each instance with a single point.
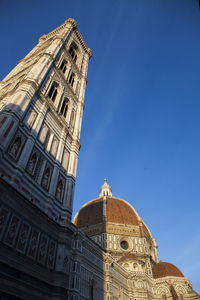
(63, 66)
(64, 107)
(71, 79)
(53, 91)
(73, 51)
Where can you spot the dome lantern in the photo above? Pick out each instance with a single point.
(105, 189)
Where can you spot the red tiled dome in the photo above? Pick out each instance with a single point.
(163, 269)
(116, 211)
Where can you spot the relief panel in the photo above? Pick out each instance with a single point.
(12, 231)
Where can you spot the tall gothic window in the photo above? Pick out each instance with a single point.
(71, 79)
(64, 107)
(72, 52)
(63, 66)
(53, 91)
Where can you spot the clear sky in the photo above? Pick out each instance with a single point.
(141, 125)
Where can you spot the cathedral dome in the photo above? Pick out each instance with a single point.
(109, 210)
(164, 269)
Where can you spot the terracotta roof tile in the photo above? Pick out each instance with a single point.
(117, 211)
(90, 214)
(163, 269)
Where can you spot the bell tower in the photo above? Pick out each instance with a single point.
(41, 107)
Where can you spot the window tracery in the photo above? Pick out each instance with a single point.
(53, 91)
(71, 79)
(73, 51)
(63, 66)
(64, 107)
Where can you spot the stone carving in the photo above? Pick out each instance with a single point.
(43, 249)
(180, 289)
(12, 231)
(140, 284)
(45, 179)
(59, 190)
(126, 266)
(33, 243)
(32, 163)
(23, 237)
(17, 145)
(51, 254)
(162, 290)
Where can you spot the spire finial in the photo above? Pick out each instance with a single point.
(105, 179)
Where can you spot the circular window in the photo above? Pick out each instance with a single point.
(124, 245)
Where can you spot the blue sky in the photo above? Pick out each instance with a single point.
(141, 121)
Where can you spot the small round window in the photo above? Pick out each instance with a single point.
(124, 245)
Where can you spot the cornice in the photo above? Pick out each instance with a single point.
(74, 28)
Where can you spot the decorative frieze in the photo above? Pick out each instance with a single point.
(22, 236)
